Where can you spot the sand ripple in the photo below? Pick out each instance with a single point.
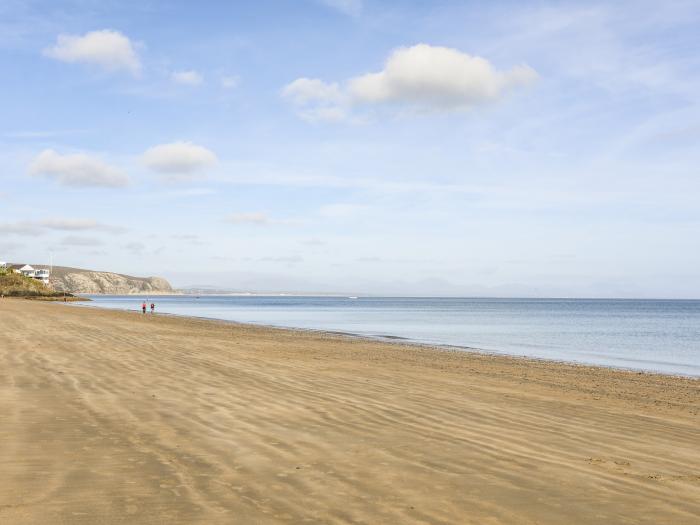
(111, 417)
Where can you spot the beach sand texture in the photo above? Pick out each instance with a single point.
(115, 417)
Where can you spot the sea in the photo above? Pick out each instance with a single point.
(646, 335)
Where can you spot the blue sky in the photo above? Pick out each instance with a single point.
(500, 148)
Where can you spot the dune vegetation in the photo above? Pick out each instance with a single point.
(13, 284)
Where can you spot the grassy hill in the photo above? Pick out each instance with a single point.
(16, 285)
(66, 280)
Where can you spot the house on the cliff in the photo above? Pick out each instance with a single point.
(40, 274)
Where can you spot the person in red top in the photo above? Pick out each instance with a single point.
(143, 307)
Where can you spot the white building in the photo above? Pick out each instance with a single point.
(27, 271)
(3, 265)
(41, 274)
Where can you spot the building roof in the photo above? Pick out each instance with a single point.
(26, 267)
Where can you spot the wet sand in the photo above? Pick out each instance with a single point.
(116, 417)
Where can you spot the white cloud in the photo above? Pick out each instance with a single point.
(422, 77)
(188, 78)
(78, 170)
(108, 49)
(439, 78)
(230, 82)
(317, 100)
(348, 7)
(249, 218)
(305, 90)
(178, 158)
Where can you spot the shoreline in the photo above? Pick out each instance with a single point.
(115, 417)
(369, 296)
(400, 340)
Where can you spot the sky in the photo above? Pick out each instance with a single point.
(357, 146)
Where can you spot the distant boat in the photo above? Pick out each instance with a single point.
(352, 297)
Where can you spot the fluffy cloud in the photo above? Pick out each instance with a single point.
(438, 77)
(305, 90)
(188, 78)
(249, 218)
(317, 100)
(77, 170)
(422, 77)
(108, 49)
(178, 158)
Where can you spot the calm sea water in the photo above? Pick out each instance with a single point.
(653, 335)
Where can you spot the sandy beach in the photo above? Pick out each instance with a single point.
(116, 417)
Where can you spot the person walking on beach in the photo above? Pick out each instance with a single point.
(153, 307)
(143, 307)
